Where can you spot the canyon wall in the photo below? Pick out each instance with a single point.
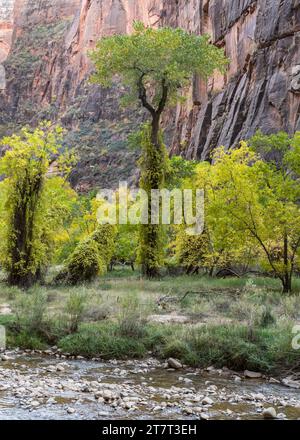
(262, 86)
(44, 71)
(6, 31)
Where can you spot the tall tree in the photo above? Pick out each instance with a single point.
(155, 65)
(255, 201)
(35, 201)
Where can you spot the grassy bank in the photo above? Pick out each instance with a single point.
(238, 323)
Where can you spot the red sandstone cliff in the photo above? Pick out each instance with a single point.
(44, 70)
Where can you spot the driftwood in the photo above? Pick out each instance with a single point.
(189, 293)
(176, 299)
(228, 272)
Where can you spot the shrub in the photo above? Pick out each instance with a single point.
(267, 318)
(177, 348)
(90, 258)
(130, 320)
(104, 237)
(102, 340)
(26, 341)
(75, 308)
(85, 263)
(31, 311)
(238, 347)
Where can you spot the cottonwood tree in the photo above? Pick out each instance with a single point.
(255, 200)
(34, 201)
(222, 245)
(155, 65)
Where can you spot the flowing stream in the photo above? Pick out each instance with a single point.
(34, 386)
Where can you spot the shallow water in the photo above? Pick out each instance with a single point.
(26, 386)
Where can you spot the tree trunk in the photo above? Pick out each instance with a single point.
(287, 283)
(287, 277)
(155, 130)
(211, 271)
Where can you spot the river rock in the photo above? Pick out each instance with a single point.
(60, 368)
(269, 413)
(207, 401)
(129, 405)
(186, 380)
(281, 416)
(273, 380)
(258, 396)
(35, 404)
(291, 383)
(109, 395)
(174, 363)
(51, 369)
(71, 410)
(252, 374)
(204, 416)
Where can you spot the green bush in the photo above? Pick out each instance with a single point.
(90, 257)
(180, 350)
(85, 263)
(104, 237)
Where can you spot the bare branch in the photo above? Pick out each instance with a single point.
(143, 95)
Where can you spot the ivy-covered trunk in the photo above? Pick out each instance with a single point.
(22, 272)
(152, 165)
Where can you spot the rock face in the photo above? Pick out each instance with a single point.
(262, 86)
(44, 72)
(6, 31)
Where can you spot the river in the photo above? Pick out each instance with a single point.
(35, 386)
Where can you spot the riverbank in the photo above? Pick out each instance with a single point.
(241, 324)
